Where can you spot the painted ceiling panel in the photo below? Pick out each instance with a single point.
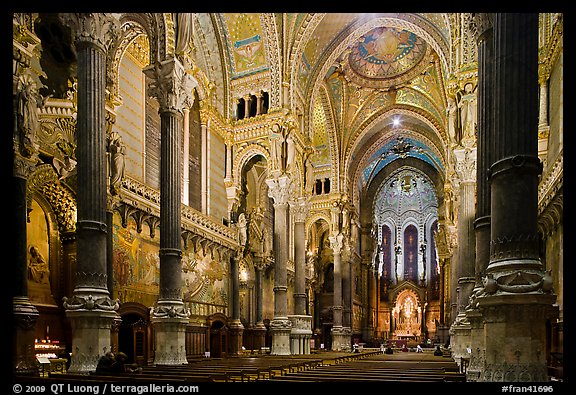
(246, 45)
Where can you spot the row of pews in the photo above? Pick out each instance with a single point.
(368, 365)
(398, 367)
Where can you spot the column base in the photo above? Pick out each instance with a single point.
(300, 334)
(515, 336)
(341, 339)
(25, 317)
(235, 331)
(280, 328)
(460, 339)
(91, 338)
(170, 340)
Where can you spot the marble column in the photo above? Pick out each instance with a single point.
(25, 313)
(23, 159)
(518, 298)
(482, 221)
(90, 310)
(301, 322)
(340, 337)
(236, 329)
(280, 326)
(259, 327)
(172, 87)
(466, 168)
(186, 158)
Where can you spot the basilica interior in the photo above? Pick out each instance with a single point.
(216, 184)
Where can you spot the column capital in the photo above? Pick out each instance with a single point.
(279, 189)
(100, 30)
(336, 242)
(299, 209)
(466, 164)
(171, 85)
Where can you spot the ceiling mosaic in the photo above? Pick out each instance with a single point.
(386, 52)
(245, 43)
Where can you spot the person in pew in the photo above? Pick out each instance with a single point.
(105, 363)
(120, 365)
(389, 350)
(438, 352)
(419, 348)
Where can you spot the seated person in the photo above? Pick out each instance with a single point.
(438, 351)
(105, 362)
(389, 350)
(120, 365)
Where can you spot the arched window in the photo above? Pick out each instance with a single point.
(411, 253)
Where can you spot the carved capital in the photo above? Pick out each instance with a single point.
(466, 164)
(171, 85)
(336, 242)
(299, 209)
(101, 30)
(279, 189)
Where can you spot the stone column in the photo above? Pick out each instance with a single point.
(340, 337)
(518, 298)
(247, 106)
(369, 273)
(235, 325)
(90, 310)
(186, 158)
(25, 313)
(172, 87)
(280, 326)
(346, 273)
(259, 103)
(482, 221)
(24, 158)
(259, 328)
(466, 168)
(301, 322)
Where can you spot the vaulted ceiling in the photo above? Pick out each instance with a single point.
(371, 88)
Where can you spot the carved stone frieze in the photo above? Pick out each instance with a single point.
(89, 302)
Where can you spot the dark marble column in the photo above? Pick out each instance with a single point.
(90, 309)
(173, 88)
(25, 313)
(236, 328)
(518, 298)
(23, 156)
(482, 221)
(259, 327)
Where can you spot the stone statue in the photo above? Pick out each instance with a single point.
(451, 112)
(242, 227)
(291, 153)
(468, 112)
(184, 29)
(116, 150)
(29, 101)
(38, 270)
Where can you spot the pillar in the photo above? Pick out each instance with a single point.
(172, 87)
(482, 221)
(466, 168)
(517, 300)
(236, 329)
(301, 332)
(259, 327)
(186, 158)
(90, 310)
(23, 159)
(280, 326)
